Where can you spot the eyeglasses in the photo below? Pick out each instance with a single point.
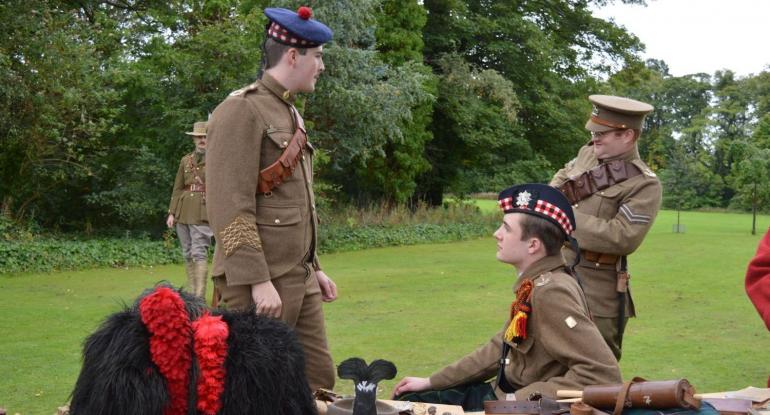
(600, 134)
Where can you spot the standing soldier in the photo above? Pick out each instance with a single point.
(615, 197)
(261, 200)
(188, 210)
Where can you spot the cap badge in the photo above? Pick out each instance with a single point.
(595, 111)
(522, 200)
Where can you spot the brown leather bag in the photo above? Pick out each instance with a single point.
(639, 393)
(597, 179)
(273, 175)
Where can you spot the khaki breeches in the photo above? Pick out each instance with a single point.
(302, 310)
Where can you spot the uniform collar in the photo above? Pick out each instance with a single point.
(277, 89)
(632, 154)
(541, 266)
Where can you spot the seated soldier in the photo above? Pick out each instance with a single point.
(549, 341)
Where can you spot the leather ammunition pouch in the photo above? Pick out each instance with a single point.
(597, 179)
(273, 175)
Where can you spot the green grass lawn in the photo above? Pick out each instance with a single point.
(424, 306)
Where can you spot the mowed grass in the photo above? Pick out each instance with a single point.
(424, 306)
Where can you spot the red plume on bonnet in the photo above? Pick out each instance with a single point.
(305, 12)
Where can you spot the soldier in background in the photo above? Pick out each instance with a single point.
(188, 211)
(261, 201)
(615, 197)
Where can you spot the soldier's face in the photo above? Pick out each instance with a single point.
(200, 142)
(308, 68)
(612, 143)
(510, 248)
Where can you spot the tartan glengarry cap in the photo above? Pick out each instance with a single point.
(612, 113)
(296, 29)
(199, 129)
(539, 200)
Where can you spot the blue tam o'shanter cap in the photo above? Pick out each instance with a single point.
(539, 200)
(296, 29)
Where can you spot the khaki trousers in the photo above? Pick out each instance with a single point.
(195, 241)
(302, 310)
(608, 327)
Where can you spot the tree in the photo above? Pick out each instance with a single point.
(545, 51)
(57, 112)
(751, 180)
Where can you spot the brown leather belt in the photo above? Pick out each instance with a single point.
(598, 257)
(541, 407)
(195, 188)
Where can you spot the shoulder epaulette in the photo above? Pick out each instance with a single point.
(244, 90)
(644, 168)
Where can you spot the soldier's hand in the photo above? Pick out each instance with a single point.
(328, 287)
(267, 299)
(170, 220)
(411, 384)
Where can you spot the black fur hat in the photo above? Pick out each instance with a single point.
(166, 354)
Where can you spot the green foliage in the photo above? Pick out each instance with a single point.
(353, 228)
(57, 112)
(50, 254)
(344, 229)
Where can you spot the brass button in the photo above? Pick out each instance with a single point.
(575, 205)
(601, 193)
(303, 157)
(284, 144)
(597, 265)
(277, 221)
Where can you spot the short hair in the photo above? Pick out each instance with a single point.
(546, 231)
(274, 52)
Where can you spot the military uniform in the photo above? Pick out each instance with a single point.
(564, 349)
(612, 222)
(267, 235)
(549, 341)
(188, 206)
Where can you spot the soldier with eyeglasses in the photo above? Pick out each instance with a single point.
(615, 197)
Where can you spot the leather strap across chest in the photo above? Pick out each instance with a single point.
(275, 174)
(597, 179)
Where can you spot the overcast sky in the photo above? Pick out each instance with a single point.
(700, 35)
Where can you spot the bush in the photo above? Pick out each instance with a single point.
(351, 228)
(342, 229)
(50, 254)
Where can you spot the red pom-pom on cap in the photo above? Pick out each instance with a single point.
(305, 12)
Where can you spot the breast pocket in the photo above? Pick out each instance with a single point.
(280, 137)
(609, 201)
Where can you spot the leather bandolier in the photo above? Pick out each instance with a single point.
(273, 175)
(599, 178)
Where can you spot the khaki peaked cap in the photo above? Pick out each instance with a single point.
(611, 113)
(199, 129)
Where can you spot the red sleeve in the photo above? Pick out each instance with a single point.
(758, 279)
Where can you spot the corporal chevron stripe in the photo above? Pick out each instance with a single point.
(636, 218)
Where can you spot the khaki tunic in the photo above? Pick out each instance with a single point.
(613, 221)
(554, 355)
(188, 207)
(261, 236)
